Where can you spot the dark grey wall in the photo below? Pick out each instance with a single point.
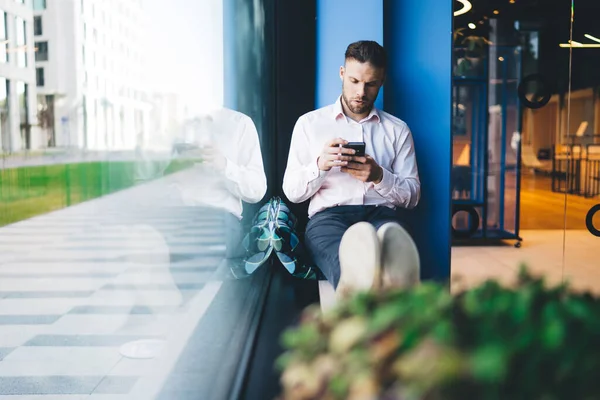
(249, 73)
(270, 61)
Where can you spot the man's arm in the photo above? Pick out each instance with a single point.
(401, 186)
(302, 178)
(244, 172)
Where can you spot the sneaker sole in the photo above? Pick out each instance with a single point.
(360, 257)
(400, 260)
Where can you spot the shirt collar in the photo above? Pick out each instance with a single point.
(338, 112)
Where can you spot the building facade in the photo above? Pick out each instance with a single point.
(90, 73)
(17, 78)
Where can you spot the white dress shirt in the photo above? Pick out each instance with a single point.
(388, 140)
(243, 179)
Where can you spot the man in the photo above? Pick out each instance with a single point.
(231, 171)
(354, 234)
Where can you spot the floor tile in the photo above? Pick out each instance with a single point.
(51, 306)
(134, 309)
(48, 385)
(28, 319)
(49, 397)
(128, 367)
(153, 286)
(4, 351)
(16, 335)
(113, 324)
(42, 294)
(83, 340)
(542, 253)
(57, 284)
(142, 298)
(116, 385)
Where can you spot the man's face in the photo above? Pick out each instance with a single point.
(360, 86)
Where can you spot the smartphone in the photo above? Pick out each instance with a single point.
(358, 146)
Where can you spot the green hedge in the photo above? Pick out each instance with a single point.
(29, 191)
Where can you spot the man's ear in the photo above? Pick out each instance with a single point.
(342, 71)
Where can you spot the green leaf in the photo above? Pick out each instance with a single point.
(306, 336)
(339, 386)
(489, 363)
(283, 361)
(387, 315)
(443, 332)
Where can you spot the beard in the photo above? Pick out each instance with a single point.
(365, 107)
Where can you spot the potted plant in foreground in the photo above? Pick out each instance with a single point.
(530, 341)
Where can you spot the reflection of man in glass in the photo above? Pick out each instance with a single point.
(230, 169)
(353, 234)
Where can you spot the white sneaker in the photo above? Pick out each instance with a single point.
(400, 260)
(360, 259)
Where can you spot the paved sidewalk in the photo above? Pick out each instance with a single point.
(78, 284)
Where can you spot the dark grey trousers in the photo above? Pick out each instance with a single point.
(325, 230)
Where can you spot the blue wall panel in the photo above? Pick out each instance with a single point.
(339, 23)
(418, 36)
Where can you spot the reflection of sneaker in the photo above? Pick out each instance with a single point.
(359, 259)
(399, 256)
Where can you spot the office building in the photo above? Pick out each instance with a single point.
(89, 73)
(17, 78)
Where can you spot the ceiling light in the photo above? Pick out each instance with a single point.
(496, 12)
(512, 1)
(472, 26)
(466, 7)
(595, 39)
(581, 46)
(577, 45)
(501, 58)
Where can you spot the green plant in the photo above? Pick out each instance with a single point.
(529, 341)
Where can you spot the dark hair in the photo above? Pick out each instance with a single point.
(367, 51)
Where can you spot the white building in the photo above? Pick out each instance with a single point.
(17, 78)
(90, 72)
(166, 119)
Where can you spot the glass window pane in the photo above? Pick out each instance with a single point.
(124, 221)
(3, 37)
(21, 51)
(4, 115)
(41, 53)
(37, 26)
(22, 99)
(39, 4)
(510, 83)
(39, 74)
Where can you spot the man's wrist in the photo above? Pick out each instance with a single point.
(379, 177)
(319, 165)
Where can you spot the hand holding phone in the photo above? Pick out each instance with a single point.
(361, 166)
(334, 154)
